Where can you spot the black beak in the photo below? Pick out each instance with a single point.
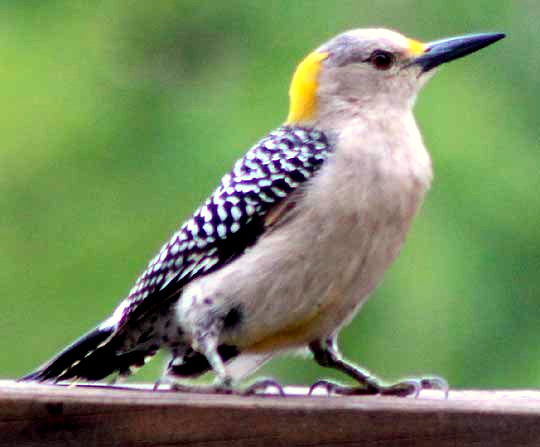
(446, 50)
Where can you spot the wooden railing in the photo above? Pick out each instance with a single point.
(49, 415)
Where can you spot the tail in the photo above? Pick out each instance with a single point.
(91, 357)
(95, 356)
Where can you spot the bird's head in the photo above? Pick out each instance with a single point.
(371, 68)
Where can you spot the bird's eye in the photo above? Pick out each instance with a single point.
(381, 60)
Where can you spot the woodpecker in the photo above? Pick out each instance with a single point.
(288, 247)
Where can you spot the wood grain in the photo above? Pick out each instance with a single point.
(48, 415)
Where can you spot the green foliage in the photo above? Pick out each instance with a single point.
(119, 117)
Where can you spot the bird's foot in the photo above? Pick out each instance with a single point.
(218, 387)
(201, 389)
(408, 387)
(260, 387)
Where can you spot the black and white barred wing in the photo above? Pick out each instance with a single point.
(231, 219)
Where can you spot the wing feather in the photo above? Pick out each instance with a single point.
(257, 193)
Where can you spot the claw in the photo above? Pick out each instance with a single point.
(435, 383)
(263, 385)
(327, 385)
(413, 387)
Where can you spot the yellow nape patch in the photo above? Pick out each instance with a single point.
(416, 48)
(303, 90)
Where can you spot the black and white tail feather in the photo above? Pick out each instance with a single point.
(81, 359)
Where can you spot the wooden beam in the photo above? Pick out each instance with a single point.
(49, 415)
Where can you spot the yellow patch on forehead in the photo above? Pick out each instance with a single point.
(303, 90)
(415, 48)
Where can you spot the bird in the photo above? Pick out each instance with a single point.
(289, 246)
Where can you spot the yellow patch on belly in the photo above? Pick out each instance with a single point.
(302, 332)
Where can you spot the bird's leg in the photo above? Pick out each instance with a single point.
(327, 354)
(207, 347)
(206, 342)
(202, 322)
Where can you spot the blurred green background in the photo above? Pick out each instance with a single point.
(119, 117)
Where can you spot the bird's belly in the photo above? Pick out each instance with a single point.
(287, 300)
(307, 276)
